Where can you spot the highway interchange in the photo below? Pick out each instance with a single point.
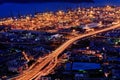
(42, 68)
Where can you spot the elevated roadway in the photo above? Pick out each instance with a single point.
(31, 74)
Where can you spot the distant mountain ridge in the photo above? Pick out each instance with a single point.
(35, 1)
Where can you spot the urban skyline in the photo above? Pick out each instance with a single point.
(74, 43)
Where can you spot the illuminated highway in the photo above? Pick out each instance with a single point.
(38, 69)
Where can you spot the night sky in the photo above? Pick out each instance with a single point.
(28, 1)
(14, 7)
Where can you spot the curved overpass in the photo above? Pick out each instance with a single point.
(34, 72)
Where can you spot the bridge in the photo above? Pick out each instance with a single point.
(43, 67)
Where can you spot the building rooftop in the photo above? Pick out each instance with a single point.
(83, 66)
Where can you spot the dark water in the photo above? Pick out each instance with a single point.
(14, 9)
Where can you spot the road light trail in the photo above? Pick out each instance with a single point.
(34, 72)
